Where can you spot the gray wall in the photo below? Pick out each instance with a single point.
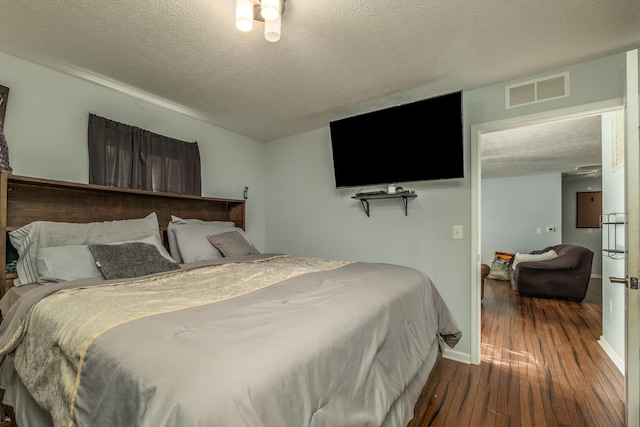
(517, 211)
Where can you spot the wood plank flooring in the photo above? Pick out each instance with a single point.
(541, 366)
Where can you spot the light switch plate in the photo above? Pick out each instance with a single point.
(457, 232)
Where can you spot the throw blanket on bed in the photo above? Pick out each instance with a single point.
(93, 368)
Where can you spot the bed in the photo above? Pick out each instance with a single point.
(239, 338)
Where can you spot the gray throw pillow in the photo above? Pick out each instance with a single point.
(177, 222)
(130, 260)
(232, 243)
(193, 243)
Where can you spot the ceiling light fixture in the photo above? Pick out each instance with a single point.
(268, 11)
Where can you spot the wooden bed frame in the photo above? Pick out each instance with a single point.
(24, 200)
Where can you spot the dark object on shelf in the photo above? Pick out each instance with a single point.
(365, 197)
(370, 193)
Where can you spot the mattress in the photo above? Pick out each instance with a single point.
(263, 340)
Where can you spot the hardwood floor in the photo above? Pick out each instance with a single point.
(541, 366)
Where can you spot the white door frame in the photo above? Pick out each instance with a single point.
(632, 239)
(476, 135)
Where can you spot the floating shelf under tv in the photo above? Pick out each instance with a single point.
(365, 197)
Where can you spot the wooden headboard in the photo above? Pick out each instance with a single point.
(24, 200)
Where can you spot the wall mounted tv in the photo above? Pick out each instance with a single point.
(419, 141)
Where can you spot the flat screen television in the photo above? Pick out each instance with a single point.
(419, 141)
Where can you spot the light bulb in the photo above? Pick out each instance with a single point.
(272, 29)
(244, 15)
(270, 9)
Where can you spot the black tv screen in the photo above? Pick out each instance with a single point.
(419, 141)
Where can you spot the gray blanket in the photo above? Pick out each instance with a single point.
(272, 341)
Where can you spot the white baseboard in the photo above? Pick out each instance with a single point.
(619, 362)
(457, 356)
(597, 276)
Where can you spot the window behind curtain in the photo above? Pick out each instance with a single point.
(129, 157)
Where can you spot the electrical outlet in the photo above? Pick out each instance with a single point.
(457, 232)
(610, 306)
(539, 230)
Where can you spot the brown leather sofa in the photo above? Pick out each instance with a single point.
(564, 277)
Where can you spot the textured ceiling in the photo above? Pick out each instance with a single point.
(558, 146)
(336, 58)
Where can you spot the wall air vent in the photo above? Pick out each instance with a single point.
(538, 90)
(588, 167)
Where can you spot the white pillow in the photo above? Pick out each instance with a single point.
(551, 254)
(176, 222)
(44, 234)
(194, 244)
(66, 263)
(73, 262)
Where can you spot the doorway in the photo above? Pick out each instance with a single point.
(477, 132)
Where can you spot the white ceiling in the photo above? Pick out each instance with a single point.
(558, 146)
(336, 58)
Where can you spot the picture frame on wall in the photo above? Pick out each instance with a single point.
(589, 209)
(4, 97)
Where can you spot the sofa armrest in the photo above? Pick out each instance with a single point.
(565, 262)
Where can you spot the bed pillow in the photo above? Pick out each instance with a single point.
(66, 263)
(232, 243)
(177, 222)
(533, 257)
(44, 234)
(72, 262)
(193, 242)
(130, 260)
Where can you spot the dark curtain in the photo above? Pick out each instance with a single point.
(4, 155)
(129, 157)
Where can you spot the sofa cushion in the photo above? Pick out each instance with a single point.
(550, 254)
